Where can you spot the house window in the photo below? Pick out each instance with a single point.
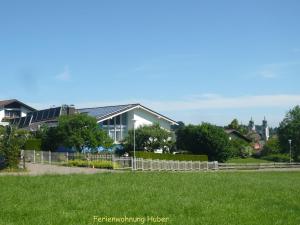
(12, 113)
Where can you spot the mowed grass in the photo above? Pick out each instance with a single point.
(186, 198)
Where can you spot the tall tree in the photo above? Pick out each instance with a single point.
(205, 139)
(11, 142)
(289, 129)
(77, 131)
(234, 124)
(150, 138)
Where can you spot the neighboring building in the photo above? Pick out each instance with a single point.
(33, 120)
(12, 109)
(234, 134)
(119, 119)
(262, 130)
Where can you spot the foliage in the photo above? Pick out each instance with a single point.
(290, 129)
(205, 139)
(77, 131)
(175, 127)
(277, 157)
(236, 126)
(11, 141)
(179, 157)
(271, 147)
(240, 148)
(33, 144)
(247, 160)
(94, 164)
(150, 138)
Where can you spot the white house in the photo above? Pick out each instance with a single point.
(117, 120)
(11, 109)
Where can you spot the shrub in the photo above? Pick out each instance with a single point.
(271, 147)
(96, 164)
(205, 139)
(33, 144)
(277, 157)
(179, 157)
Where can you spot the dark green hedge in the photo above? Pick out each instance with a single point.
(179, 157)
(277, 157)
(33, 144)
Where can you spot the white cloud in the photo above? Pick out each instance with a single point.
(211, 101)
(221, 102)
(268, 73)
(274, 70)
(65, 75)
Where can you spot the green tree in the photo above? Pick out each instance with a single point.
(205, 139)
(234, 124)
(289, 128)
(11, 142)
(272, 146)
(240, 148)
(150, 138)
(77, 131)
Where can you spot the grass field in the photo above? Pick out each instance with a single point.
(233, 198)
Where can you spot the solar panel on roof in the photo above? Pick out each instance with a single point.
(105, 111)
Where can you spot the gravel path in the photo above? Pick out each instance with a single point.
(42, 169)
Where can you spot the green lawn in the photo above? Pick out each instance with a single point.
(247, 160)
(184, 198)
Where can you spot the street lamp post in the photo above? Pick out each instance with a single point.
(134, 165)
(290, 142)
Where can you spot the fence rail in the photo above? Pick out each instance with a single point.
(170, 165)
(62, 157)
(141, 164)
(256, 166)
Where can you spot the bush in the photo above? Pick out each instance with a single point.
(205, 139)
(33, 144)
(96, 164)
(277, 157)
(179, 157)
(271, 147)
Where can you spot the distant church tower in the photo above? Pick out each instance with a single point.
(251, 125)
(265, 130)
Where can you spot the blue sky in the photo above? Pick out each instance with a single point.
(191, 60)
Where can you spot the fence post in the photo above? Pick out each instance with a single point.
(216, 165)
(132, 166)
(42, 157)
(49, 157)
(207, 165)
(142, 164)
(199, 165)
(33, 156)
(67, 157)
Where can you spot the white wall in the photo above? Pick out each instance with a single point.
(24, 111)
(1, 114)
(143, 118)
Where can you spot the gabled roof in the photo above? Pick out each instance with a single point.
(237, 133)
(106, 112)
(4, 103)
